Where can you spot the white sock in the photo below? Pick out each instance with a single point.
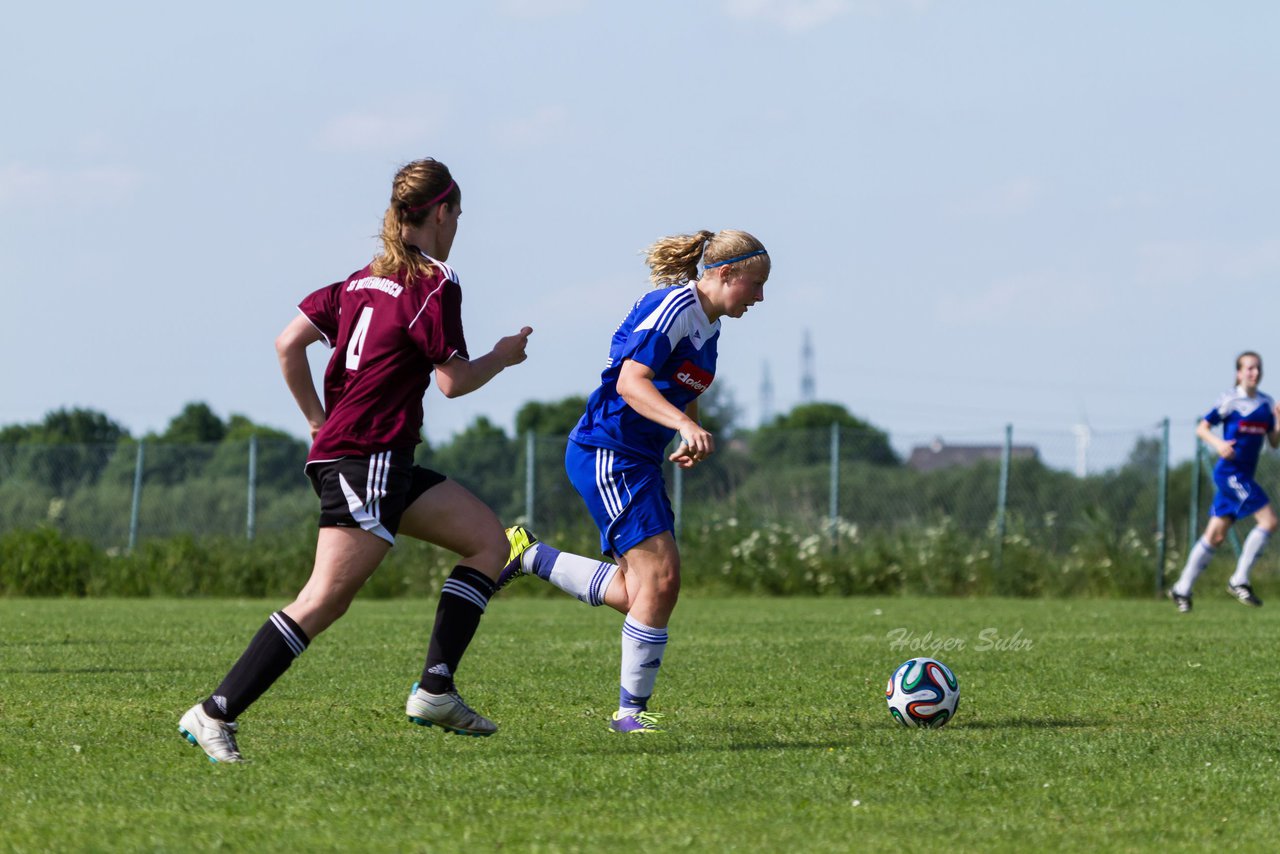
(642, 649)
(1201, 554)
(584, 578)
(1253, 545)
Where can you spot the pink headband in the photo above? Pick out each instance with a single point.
(440, 198)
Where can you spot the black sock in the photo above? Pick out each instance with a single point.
(268, 656)
(462, 601)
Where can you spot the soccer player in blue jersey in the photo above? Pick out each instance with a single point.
(1247, 416)
(661, 358)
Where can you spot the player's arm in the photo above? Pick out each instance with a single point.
(1224, 447)
(635, 385)
(1274, 436)
(459, 376)
(291, 349)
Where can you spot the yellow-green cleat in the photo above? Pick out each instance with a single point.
(521, 541)
(637, 721)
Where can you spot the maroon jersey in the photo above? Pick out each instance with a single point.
(387, 335)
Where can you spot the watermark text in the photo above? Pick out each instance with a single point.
(989, 639)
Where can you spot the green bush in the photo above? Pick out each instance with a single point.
(41, 562)
(719, 554)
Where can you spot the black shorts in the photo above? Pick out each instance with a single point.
(369, 492)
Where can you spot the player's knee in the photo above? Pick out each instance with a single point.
(489, 552)
(666, 587)
(315, 613)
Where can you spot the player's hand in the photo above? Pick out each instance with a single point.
(511, 349)
(683, 457)
(1227, 449)
(697, 444)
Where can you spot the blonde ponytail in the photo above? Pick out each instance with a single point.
(415, 190)
(674, 260)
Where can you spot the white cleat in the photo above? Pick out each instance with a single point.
(216, 738)
(447, 711)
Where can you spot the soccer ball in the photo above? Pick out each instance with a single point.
(923, 692)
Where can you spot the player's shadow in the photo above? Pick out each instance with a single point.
(82, 642)
(61, 671)
(1028, 723)
(826, 744)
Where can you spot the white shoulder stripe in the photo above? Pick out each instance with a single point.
(666, 312)
(447, 270)
(425, 302)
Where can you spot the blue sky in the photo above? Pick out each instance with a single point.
(982, 213)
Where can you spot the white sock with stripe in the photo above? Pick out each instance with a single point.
(1253, 546)
(584, 578)
(1201, 554)
(642, 650)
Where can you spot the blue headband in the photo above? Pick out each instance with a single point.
(731, 260)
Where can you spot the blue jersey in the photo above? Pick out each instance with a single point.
(667, 331)
(1248, 420)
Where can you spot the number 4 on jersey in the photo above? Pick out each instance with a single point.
(356, 346)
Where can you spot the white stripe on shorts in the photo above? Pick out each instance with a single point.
(365, 512)
(605, 483)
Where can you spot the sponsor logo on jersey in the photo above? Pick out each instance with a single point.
(1255, 428)
(693, 377)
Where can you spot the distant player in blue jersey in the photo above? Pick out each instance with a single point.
(661, 358)
(1247, 416)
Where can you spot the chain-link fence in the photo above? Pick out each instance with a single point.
(999, 493)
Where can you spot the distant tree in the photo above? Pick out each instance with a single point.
(1145, 455)
(482, 459)
(556, 419)
(239, 429)
(801, 437)
(196, 423)
(83, 441)
(718, 410)
(66, 427)
(280, 457)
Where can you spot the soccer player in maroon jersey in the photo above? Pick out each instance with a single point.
(390, 325)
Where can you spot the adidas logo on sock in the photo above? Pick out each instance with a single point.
(220, 702)
(440, 669)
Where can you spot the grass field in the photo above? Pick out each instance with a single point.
(1084, 725)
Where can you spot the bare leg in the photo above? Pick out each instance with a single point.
(345, 558)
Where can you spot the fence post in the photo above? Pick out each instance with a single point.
(1193, 528)
(677, 497)
(833, 498)
(530, 446)
(137, 495)
(1162, 498)
(1002, 496)
(251, 521)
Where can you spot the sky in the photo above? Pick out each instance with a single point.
(1045, 214)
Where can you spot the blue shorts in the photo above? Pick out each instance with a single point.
(1238, 496)
(626, 497)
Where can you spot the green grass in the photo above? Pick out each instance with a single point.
(1120, 726)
